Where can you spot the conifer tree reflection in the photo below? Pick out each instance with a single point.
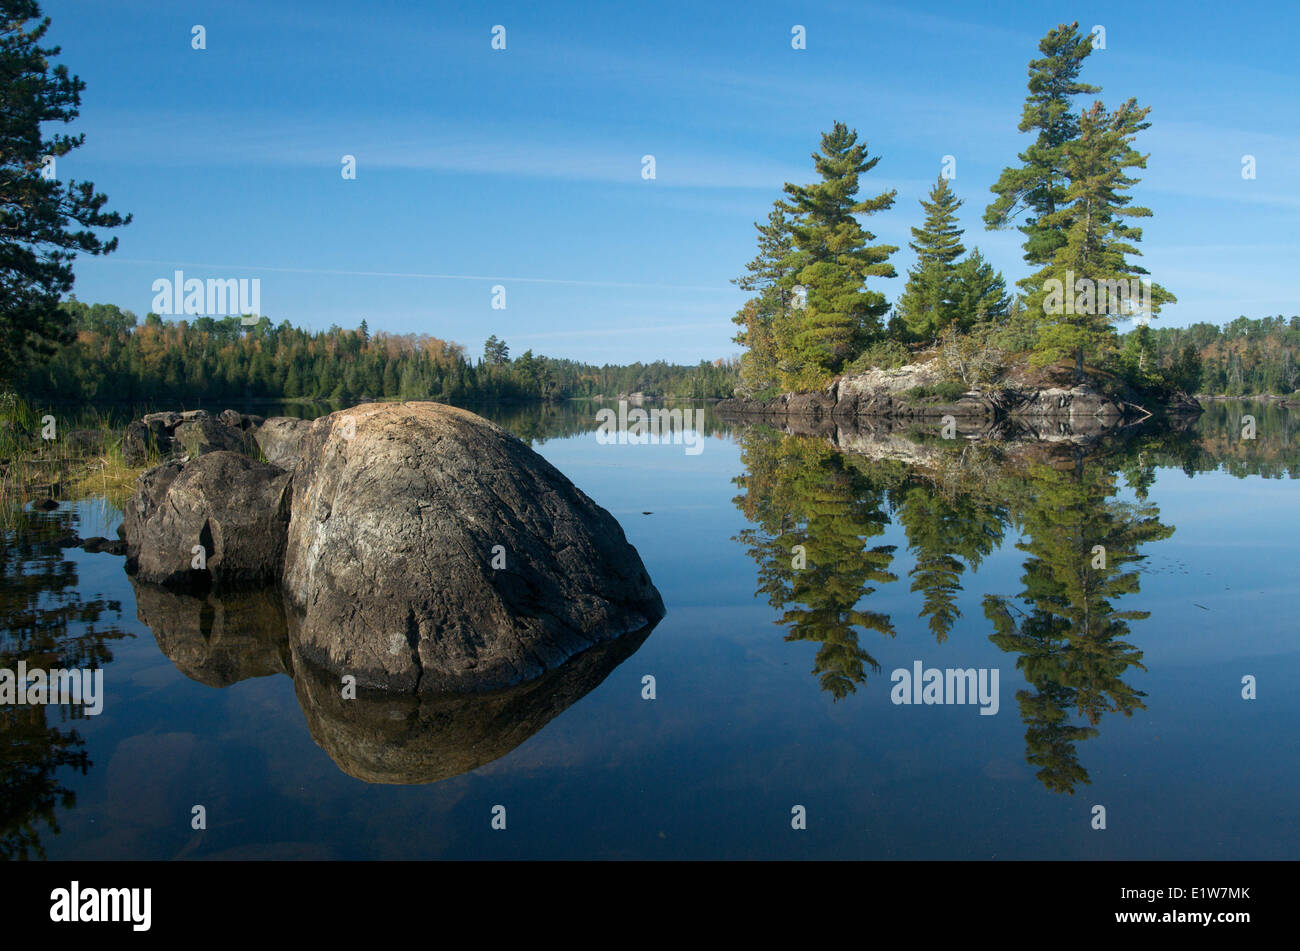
(1083, 545)
(801, 494)
(46, 623)
(947, 532)
(1071, 641)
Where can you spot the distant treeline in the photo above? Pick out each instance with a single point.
(1240, 358)
(115, 357)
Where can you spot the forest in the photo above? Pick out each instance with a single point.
(114, 357)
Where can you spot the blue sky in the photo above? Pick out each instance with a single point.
(522, 167)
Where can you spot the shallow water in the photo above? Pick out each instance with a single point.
(1120, 684)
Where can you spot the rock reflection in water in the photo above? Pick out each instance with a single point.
(217, 640)
(377, 737)
(402, 739)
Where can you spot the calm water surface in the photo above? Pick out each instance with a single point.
(1119, 685)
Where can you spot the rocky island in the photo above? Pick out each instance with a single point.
(921, 394)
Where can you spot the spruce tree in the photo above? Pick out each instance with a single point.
(1037, 188)
(979, 292)
(926, 306)
(834, 257)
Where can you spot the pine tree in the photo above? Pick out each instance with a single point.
(761, 316)
(840, 316)
(1037, 188)
(1077, 292)
(495, 352)
(36, 208)
(926, 306)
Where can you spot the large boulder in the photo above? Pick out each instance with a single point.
(235, 508)
(429, 550)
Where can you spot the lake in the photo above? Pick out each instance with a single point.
(1133, 603)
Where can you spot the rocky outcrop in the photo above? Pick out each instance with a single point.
(423, 549)
(1076, 404)
(850, 399)
(221, 511)
(909, 393)
(1012, 441)
(430, 550)
(191, 433)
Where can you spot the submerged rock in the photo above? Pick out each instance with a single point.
(430, 550)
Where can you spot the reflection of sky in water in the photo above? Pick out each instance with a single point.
(740, 731)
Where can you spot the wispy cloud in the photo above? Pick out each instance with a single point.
(579, 282)
(605, 331)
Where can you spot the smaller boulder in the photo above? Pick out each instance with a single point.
(195, 437)
(280, 439)
(99, 543)
(237, 420)
(234, 509)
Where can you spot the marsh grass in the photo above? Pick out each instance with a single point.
(67, 467)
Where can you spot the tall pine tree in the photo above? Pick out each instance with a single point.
(44, 222)
(1037, 188)
(1076, 292)
(840, 317)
